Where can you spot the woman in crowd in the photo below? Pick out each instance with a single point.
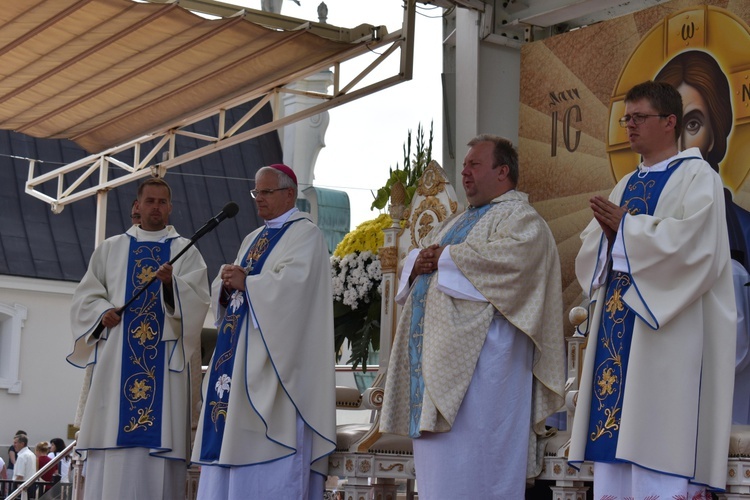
(56, 446)
(41, 450)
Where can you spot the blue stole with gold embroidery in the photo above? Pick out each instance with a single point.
(456, 234)
(220, 372)
(616, 331)
(143, 352)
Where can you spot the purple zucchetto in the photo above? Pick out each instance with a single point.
(288, 171)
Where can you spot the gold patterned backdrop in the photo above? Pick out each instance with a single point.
(572, 87)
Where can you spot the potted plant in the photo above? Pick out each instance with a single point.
(412, 171)
(355, 266)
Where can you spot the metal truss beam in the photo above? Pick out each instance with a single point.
(155, 153)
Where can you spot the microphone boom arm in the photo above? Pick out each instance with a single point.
(229, 211)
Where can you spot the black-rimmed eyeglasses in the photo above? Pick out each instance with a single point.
(638, 118)
(265, 192)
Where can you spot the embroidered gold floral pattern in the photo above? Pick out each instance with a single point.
(143, 341)
(229, 327)
(614, 304)
(144, 333)
(609, 374)
(618, 322)
(639, 196)
(611, 423)
(606, 381)
(139, 390)
(145, 419)
(146, 274)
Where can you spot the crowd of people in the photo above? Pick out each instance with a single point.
(23, 463)
(478, 358)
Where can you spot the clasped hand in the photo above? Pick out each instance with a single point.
(608, 215)
(233, 277)
(427, 261)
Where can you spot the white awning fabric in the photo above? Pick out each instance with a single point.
(103, 72)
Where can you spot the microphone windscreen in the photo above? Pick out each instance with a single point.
(231, 209)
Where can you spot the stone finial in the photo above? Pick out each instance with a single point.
(322, 12)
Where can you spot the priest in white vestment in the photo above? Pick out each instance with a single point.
(268, 420)
(741, 406)
(478, 360)
(136, 423)
(655, 401)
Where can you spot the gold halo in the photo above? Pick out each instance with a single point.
(713, 30)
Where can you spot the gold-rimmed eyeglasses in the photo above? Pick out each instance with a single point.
(638, 119)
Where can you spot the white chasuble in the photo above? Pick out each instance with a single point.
(283, 369)
(677, 402)
(103, 287)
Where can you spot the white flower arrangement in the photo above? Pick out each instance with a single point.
(355, 277)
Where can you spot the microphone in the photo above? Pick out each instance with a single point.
(229, 211)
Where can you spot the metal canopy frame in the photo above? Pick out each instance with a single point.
(155, 153)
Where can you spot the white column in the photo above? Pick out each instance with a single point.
(467, 87)
(303, 140)
(467, 79)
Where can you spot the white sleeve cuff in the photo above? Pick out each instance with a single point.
(403, 282)
(452, 282)
(619, 261)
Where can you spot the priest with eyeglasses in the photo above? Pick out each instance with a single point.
(655, 405)
(268, 420)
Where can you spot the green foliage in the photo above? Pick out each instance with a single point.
(412, 171)
(367, 320)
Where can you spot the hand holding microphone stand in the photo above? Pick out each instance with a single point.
(229, 211)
